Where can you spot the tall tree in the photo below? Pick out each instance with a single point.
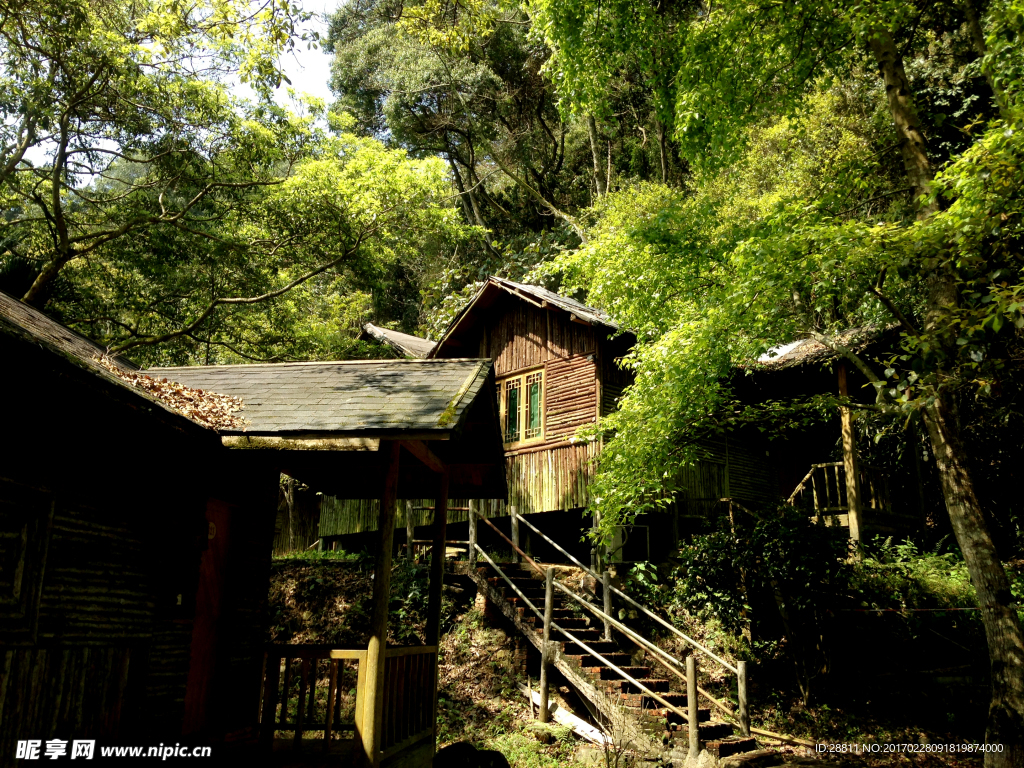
(157, 208)
(799, 267)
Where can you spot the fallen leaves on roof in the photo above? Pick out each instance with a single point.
(211, 409)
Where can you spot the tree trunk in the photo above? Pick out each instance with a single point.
(1003, 631)
(913, 147)
(973, 15)
(600, 180)
(1002, 627)
(662, 151)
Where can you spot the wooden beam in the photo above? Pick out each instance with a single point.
(850, 462)
(420, 450)
(373, 703)
(264, 442)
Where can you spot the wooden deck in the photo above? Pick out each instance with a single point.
(313, 705)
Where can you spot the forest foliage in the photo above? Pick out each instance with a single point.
(721, 177)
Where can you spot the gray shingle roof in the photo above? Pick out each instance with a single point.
(406, 344)
(366, 396)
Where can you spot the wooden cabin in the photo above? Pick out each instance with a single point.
(556, 371)
(136, 542)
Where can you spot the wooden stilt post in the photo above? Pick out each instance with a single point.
(692, 711)
(606, 593)
(439, 533)
(472, 534)
(437, 552)
(545, 657)
(514, 519)
(410, 531)
(595, 555)
(373, 702)
(743, 714)
(850, 463)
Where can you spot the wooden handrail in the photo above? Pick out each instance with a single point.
(644, 644)
(410, 679)
(630, 633)
(626, 676)
(630, 600)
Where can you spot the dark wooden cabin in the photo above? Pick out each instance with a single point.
(555, 368)
(136, 543)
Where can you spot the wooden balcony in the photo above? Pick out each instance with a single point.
(314, 699)
(823, 494)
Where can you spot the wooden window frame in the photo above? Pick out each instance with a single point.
(522, 377)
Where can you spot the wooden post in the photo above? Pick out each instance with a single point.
(595, 559)
(606, 593)
(743, 714)
(373, 704)
(409, 531)
(332, 690)
(271, 682)
(514, 518)
(545, 657)
(850, 460)
(692, 712)
(472, 535)
(300, 717)
(437, 552)
(439, 535)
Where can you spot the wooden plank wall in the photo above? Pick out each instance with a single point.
(553, 479)
(702, 486)
(62, 691)
(570, 399)
(522, 336)
(747, 457)
(339, 517)
(108, 643)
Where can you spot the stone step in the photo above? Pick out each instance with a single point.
(656, 684)
(732, 745)
(639, 673)
(714, 730)
(657, 716)
(588, 661)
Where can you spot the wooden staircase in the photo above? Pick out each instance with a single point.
(632, 715)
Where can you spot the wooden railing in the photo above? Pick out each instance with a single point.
(686, 670)
(666, 660)
(822, 492)
(318, 689)
(311, 688)
(408, 697)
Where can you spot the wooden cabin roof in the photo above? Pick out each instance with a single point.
(404, 343)
(805, 351)
(375, 398)
(19, 319)
(496, 287)
(64, 347)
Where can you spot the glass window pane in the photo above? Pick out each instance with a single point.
(534, 400)
(512, 389)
